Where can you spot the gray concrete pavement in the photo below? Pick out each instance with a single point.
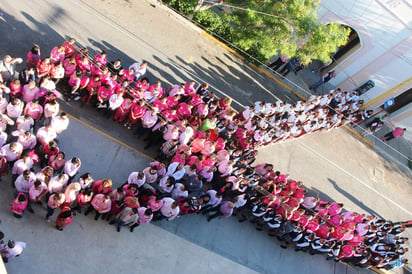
(334, 164)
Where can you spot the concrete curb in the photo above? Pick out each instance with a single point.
(359, 136)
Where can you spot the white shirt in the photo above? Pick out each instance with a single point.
(15, 251)
(133, 179)
(71, 169)
(178, 193)
(44, 136)
(20, 166)
(56, 185)
(172, 170)
(59, 124)
(11, 155)
(23, 185)
(24, 124)
(167, 209)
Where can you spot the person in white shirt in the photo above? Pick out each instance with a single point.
(15, 108)
(21, 165)
(5, 121)
(57, 183)
(3, 138)
(176, 170)
(24, 181)
(26, 139)
(60, 122)
(137, 178)
(24, 122)
(46, 134)
(179, 191)
(170, 209)
(166, 184)
(11, 151)
(71, 167)
(139, 69)
(13, 249)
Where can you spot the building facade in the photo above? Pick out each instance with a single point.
(380, 50)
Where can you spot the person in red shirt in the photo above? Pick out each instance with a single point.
(137, 111)
(44, 67)
(92, 87)
(64, 218)
(69, 47)
(123, 111)
(103, 95)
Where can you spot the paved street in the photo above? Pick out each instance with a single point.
(334, 165)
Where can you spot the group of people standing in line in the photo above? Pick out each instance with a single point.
(204, 164)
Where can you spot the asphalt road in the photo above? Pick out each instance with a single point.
(333, 165)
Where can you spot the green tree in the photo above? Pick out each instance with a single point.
(263, 28)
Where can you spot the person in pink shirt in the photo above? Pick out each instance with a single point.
(74, 84)
(145, 216)
(184, 110)
(83, 64)
(44, 67)
(156, 89)
(30, 92)
(100, 59)
(397, 132)
(128, 75)
(190, 88)
(57, 55)
(19, 205)
(335, 209)
(172, 101)
(92, 87)
(34, 109)
(142, 85)
(55, 201)
(137, 111)
(70, 66)
(101, 203)
(161, 104)
(103, 94)
(155, 203)
(83, 199)
(33, 57)
(123, 110)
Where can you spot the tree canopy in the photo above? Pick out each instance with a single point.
(265, 28)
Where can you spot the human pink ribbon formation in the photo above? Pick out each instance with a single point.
(204, 164)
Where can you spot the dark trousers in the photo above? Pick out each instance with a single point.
(388, 136)
(277, 64)
(50, 212)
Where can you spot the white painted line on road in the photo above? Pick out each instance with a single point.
(356, 178)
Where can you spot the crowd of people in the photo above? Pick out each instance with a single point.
(206, 161)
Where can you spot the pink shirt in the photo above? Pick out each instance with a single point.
(398, 132)
(100, 205)
(35, 111)
(143, 219)
(30, 94)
